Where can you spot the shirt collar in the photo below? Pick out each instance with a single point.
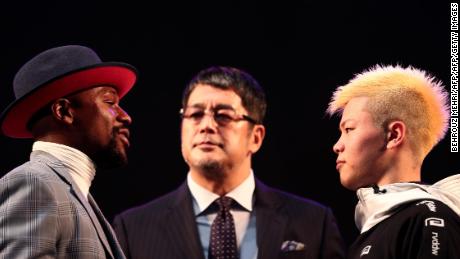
(242, 193)
(81, 167)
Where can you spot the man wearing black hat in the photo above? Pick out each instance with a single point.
(67, 100)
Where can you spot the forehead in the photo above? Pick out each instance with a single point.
(355, 109)
(96, 91)
(211, 96)
(105, 90)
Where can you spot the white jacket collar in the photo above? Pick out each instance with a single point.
(374, 207)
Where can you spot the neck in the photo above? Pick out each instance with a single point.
(66, 136)
(402, 169)
(222, 182)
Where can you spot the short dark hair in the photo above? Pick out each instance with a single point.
(242, 83)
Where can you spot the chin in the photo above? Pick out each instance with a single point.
(112, 157)
(213, 172)
(210, 166)
(207, 163)
(348, 184)
(203, 158)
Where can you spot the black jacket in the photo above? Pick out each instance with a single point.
(419, 229)
(166, 228)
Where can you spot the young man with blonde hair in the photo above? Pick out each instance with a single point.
(391, 118)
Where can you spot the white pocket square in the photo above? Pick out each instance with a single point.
(290, 245)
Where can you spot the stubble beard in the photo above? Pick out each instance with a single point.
(213, 170)
(111, 157)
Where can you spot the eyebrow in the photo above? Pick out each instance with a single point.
(217, 107)
(107, 88)
(110, 91)
(341, 125)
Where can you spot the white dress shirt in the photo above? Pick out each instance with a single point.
(242, 214)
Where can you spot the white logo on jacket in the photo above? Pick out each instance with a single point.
(430, 204)
(365, 250)
(435, 245)
(437, 222)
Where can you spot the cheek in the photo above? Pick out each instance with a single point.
(112, 112)
(355, 150)
(106, 117)
(366, 151)
(236, 141)
(186, 136)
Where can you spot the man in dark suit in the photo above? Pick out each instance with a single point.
(222, 210)
(67, 100)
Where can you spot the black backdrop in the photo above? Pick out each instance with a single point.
(298, 50)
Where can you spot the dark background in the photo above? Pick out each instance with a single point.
(298, 50)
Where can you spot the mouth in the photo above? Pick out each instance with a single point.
(339, 164)
(208, 145)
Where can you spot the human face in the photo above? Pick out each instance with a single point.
(360, 148)
(212, 148)
(102, 126)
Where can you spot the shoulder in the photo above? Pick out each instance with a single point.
(422, 217)
(35, 180)
(291, 203)
(296, 200)
(30, 189)
(30, 174)
(157, 206)
(420, 229)
(426, 209)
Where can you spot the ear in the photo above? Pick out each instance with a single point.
(395, 134)
(62, 111)
(257, 137)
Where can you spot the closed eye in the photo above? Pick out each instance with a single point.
(110, 99)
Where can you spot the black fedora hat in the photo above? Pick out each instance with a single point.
(56, 73)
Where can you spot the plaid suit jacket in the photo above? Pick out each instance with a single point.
(43, 214)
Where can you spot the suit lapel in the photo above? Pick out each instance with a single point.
(182, 229)
(269, 213)
(95, 220)
(62, 171)
(107, 229)
(183, 232)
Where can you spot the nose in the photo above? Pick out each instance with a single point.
(338, 146)
(208, 124)
(124, 117)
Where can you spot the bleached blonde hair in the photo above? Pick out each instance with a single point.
(396, 93)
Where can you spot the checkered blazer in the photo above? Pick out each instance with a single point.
(44, 215)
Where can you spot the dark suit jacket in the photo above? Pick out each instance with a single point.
(166, 228)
